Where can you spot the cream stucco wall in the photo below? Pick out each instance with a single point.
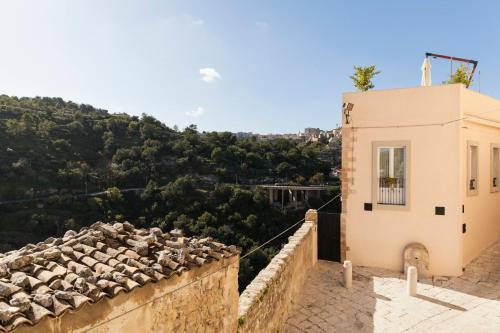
(377, 238)
(481, 211)
(209, 303)
(438, 122)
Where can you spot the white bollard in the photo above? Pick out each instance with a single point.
(411, 281)
(347, 274)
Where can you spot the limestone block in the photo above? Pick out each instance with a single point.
(312, 216)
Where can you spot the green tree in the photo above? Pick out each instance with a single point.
(461, 75)
(363, 76)
(317, 179)
(283, 169)
(114, 195)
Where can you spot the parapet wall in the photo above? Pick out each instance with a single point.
(267, 300)
(208, 303)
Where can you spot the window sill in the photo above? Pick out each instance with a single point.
(472, 193)
(378, 206)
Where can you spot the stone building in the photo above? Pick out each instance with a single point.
(116, 278)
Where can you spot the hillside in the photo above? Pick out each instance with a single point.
(61, 151)
(49, 145)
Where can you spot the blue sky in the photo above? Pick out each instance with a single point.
(268, 66)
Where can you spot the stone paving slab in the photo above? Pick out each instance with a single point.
(377, 301)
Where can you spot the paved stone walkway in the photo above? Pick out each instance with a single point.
(377, 301)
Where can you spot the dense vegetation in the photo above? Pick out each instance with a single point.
(56, 154)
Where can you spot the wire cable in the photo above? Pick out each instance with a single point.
(72, 196)
(209, 273)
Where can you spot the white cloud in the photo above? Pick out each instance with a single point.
(199, 111)
(198, 22)
(209, 74)
(262, 25)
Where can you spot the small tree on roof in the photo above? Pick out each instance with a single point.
(461, 75)
(363, 76)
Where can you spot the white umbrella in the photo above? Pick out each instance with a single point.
(426, 73)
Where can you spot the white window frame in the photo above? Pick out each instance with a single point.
(376, 145)
(472, 168)
(494, 168)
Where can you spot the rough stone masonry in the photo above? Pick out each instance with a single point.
(116, 278)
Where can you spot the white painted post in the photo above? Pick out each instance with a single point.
(347, 274)
(411, 281)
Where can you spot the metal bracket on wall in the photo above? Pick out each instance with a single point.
(469, 61)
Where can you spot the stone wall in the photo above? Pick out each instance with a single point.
(203, 299)
(266, 302)
(209, 305)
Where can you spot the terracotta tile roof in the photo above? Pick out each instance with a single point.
(60, 274)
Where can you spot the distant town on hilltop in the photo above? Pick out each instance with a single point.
(309, 134)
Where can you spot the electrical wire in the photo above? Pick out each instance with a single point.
(73, 196)
(209, 273)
